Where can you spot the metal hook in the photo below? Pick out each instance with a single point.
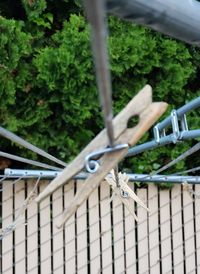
(93, 165)
(124, 194)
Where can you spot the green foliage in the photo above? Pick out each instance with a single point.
(15, 49)
(48, 87)
(34, 8)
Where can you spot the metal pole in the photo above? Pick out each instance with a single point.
(181, 111)
(15, 173)
(185, 135)
(14, 138)
(179, 19)
(96, 14)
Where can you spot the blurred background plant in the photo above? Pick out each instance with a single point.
(47, 81)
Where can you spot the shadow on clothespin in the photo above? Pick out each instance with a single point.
(124, 192)
(141, 105)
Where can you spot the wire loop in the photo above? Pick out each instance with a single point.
(93, 165)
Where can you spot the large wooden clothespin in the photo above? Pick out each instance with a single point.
(141, 105)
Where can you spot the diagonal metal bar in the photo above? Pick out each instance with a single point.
(187, 171)
(16, 139)
(96, 14)
(187, 153)
(180, 112)
(184, 133)
(179, 19)
(27, 161)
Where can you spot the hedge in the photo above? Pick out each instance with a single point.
(48, 87)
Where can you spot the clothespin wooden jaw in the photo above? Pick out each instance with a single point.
(148, 113)
(130, 196)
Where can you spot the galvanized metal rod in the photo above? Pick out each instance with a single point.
(13, 173)
(169, 139)
(185, 134)
(190, 134)
(27, 161)
(16, 139)
(180, 112)
(96, 14)
(194, 169)
(164, 178)
(179, 19)
(184, 155)
(149, 145)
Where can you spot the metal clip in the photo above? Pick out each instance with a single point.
(124, 194)
(175, 125)
(184, 124)
(156, 134)
(163, 133)
(93, 165)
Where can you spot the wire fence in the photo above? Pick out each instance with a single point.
(102, 237)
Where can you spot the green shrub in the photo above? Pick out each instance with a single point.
(48, 87)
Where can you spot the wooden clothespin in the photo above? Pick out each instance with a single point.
(124, 192)
(141, 105)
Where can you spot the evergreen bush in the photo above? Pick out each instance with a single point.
(48, 87)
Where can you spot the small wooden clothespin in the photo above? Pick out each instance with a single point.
(141, 105)
(124, 192)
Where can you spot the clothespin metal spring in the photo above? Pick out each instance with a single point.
(93, 165)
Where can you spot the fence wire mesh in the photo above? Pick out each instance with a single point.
(102, 237)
